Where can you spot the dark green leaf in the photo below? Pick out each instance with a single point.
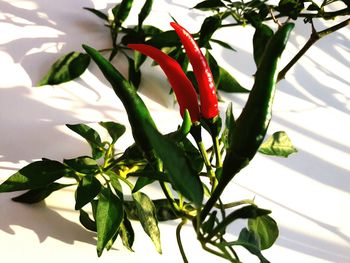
(208, 225)
(109, 215)
(89, 187)
(126, 233)
(141, 182)
(250, 241)
(115, 130)
(266, 228)
(147, 215)
(91, 136)
(164, 39)
(139, 59)
(145, 10)
(97, 13)
(181, 174)
(66, 68)
(150, 30)
(209, 4)
(290, 8)
(262, 35)
(35, 175)
(115, 183)
(86, 221)
(134, 75)
(229, 127)
(121, 11)
(209, 26)
(222, 43)
(39, 194)
(228, 83)
(278, 144)
(183, 130)
(82, 164)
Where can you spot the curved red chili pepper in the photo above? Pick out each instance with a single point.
(182, 86)
(202, 72)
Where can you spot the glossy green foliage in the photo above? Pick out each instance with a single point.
(146, 214)
(35, 175)
(67, 68)
(109, 215)
(209, 4)
(228, 83)
(209, 26)
(278, 144)
(115, 130)
(265, 227)
(89, 187)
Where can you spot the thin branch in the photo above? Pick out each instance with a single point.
(314, 37)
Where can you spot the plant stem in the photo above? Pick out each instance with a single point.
(179, 242)
(207, 163)
(217, 152)
(314, 37)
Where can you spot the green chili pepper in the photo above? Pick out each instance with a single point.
(251, 126)
(137, 112)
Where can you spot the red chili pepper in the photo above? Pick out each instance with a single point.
(202, 72)
(182, 86)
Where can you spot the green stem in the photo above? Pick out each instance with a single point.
(179, 242)
(217, 152)
(207, 164)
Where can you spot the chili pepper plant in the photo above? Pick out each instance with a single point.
(191, 175)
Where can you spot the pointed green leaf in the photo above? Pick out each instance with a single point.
(145, 10)
(266, 228)
(209, 4)
(222, 43)
(121, 11)
(133, 74)
(208, 28)
(39, 194)
(229, 127)
(181, 174)
(109, 215)
(164, 39)
(35, 175)
(67, 68)
(228, 83)
(278, 144)
(115, 130)
(126, 233)
(89, 187)
(146, 213)
(82, 164)
(86, 221)
(115, 183)
(91, 136)
(97, 13)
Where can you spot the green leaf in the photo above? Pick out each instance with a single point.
(82, 164)
(121, 11)
(290, 8)
(145, 10)
(262, 35)
(86, 221)
(89, 187)
(278, 144)
(209, 4)
(141, 182)
(133, 74)
(35, 175)
(222, 43)
(181, 174)
(126, 233)
(67, 68)
(115, 183)
(250, 241)
(97, 13)
(228, 83)
(164, 39)
(91, 136)
(229, 127)
(266, 228)
(208, 225)
(115, 130)
(39, 194)
(139, 59)
(147, 215)
(208, 28)
(109, 216)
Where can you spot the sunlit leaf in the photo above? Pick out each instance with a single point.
(278, 144)
(266, 228)
(89, 187)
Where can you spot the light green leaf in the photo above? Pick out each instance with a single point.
(35, 175)
(266, 228)
(115, 130)
(278, 144)
(126, 233)
(109, 215)
(228, 83)
(66, 68)
(146, 213)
